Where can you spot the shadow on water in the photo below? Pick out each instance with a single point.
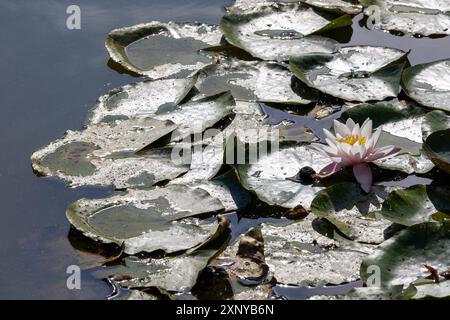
(51, 76)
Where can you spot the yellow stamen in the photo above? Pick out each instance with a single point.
(351, 140)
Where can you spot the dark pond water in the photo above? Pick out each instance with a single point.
(50, 77)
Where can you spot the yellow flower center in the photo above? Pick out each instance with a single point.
(351, 140)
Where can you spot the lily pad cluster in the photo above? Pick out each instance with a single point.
(169, 145)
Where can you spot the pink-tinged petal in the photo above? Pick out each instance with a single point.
(363, 175)
(366, 129)
(376, 136)
(350, 124)
(329, 170)
(329, 135)
(380, 154)
(341, 129)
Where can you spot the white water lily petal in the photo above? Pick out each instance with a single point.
(341, 129)
(366, 129)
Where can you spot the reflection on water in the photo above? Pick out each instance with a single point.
(51, 76)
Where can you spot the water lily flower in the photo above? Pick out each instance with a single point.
(353, 146)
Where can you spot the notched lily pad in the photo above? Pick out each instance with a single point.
(174, 274)
(343, 6)
(158, 49)
(140, 99)
(356, 73)
(299, 255)
(429, 84)
(277, 31)
(418, 17)
(401, 258)
(88, 156)
(255, 81)
(353, 212)
(437, 147)
(416, 204)
(143, 220)
(269, 177)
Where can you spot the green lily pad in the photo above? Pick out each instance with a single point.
(417, 17)
(367, 293)
(141, 99)
(277, 31)
(197, 115)
(159, 50)
(356, 73)
(269, 176)
(146, 220)
(353, 212)
(299, 255)
(437, 147)
(255, 81)
(402, 257)
(434, 121)
(104, 154)
(428, 84)
(431, 290)
(343, 6)
(174, 274)
(416, 204)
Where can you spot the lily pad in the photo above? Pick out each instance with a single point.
(175, 274)
(434, 121)
(105, 154)
(159, 50)
(429, 84)
(353, 212)
(141, 99)
(437, 147)
(344, 6)
(269, 177)
(416, 204)
(417, 17)
(401, 258)
(298, 255)
(126, 215)
(367, 293)
(431, 290)
(255, 81)
(277, 31)
(356, 73)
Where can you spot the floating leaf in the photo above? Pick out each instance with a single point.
(430, 290)
(367, 293)
(357, 73)
(128, 215)
(298, 255)
(418, 17)
(254, 81)
(353, 212)
(343, 6)
(175, 274)
(159, 50)
(429, 83)
(437, 147)
(269, 176)
(105, 154)
(401, 258)
(416, 204)
(277, 31)
(141, 99)
(434, 121)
